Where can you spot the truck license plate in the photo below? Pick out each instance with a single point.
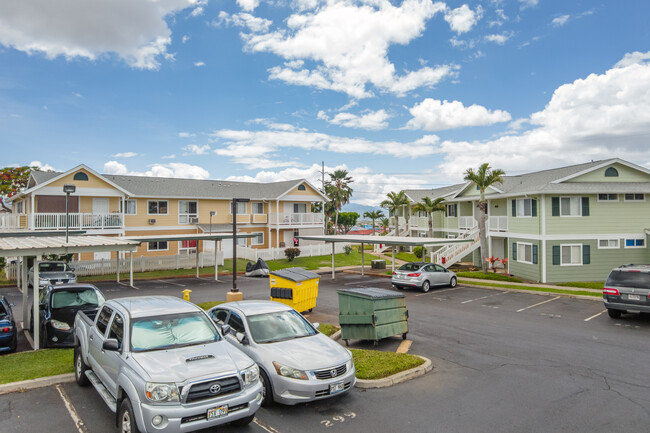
(217, 412)
(634, 297)
(337, 387)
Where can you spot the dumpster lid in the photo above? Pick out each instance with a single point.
(371, 292)
(295, 274)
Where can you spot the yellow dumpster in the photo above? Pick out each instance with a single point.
(294, 287)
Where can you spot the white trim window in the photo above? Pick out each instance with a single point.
(131, 207)
(524, 208)
(571, 255)
(570, 206)
(242, 242)
(300, 208)
(634, 197)
(635, 243)
(157, 207)
(608, 244)
(187, 247)
(525, 252)
(607, 197)
(257, 207)
(157, 246)
(241, 208)
(452, 210)
(187, 209)
(258, 239)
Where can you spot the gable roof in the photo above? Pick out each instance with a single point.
(42, 179)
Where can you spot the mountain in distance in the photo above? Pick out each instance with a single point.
(360, 209)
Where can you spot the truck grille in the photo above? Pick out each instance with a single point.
(330, 373)
(202, 416)
(213, 388)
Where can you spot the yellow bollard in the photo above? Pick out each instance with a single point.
(186, 294)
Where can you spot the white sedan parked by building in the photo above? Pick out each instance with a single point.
(297, 363)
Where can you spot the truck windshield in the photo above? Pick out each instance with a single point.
(279, 326)
(170, 331)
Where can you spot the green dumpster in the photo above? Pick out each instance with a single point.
(372, 314)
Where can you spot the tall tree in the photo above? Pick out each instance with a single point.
(338, 190)
(385, 222)
(373, 215)
(395, 201)
(483, 178)
(348, 220)
(12, 181)
(430, 206)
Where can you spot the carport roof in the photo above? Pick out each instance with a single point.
(385, 240)
(41, 245)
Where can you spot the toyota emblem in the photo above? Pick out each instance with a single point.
(333, 372)
(214, 389)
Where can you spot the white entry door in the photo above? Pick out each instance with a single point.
(100, 206)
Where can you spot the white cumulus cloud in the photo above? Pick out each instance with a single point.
(172, 169)
(125, 155)
(435, 115)
(462, 19)
(194, 149)
(134, 30)
(41, 166)
(561, 20)
(372, 120)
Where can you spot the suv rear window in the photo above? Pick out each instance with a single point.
(639, 280)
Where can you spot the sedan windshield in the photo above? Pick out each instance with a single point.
(278, 326)
(52, 267)
(170, 331)
(76, 298)
(410, 267)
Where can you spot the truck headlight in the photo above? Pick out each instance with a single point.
(286, 371)
(57, 324)
(161, 392)
(251, 375)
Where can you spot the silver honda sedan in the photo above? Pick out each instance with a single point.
(423, 276)
(297, 363)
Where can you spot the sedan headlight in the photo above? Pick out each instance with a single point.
(251, 375)
(286, 371)
(43, 281)
(349, 365)
(57, 324)
(161, 392)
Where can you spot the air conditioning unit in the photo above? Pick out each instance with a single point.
(194, 220)
(282, 244)
(152, 221)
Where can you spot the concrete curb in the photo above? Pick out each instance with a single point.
(36, 383)
(336, 336)
(396, 378)
(591, 298)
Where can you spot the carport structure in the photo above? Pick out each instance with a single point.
(383, 240)
(25, 245)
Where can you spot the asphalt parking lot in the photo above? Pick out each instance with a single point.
(503, 361)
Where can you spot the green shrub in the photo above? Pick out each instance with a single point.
(347, 249)
(292, 253)
(419, 253)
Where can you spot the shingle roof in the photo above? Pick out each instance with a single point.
(145, 186)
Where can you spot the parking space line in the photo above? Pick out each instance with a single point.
(170, 282)
(437, 291)
(595, 315)
(81, 428)
(539, 303)
(266, 427)
(483, 297)
(125, 285)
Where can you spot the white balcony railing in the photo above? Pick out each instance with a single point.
(11, 221)
(498, 223)
(297, 219)
(466, 222)
(81, 221)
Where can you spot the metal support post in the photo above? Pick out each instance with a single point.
(25, 283)
(333, 274)
(131, 268)
(392, 250)
(36, 314)
(362, 259)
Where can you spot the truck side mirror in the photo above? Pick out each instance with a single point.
(225, 329)
(111, 344)
(316, 325)
(242, 338)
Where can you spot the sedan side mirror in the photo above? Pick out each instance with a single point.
(242, 338)
(71, 269)
(111, 344)
(225, 329)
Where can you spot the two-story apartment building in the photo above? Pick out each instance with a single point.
(138, 206)
(572, 223)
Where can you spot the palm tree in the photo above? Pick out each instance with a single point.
(430, 206)
(385, 222)
(373, 215)
(483, 178)
(395, 201)
(339, 191)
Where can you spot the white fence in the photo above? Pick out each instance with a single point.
(10, 220)
(278, 253)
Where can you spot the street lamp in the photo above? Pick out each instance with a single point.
(234, 295)
(68, 189)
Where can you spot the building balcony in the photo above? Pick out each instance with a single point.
(498, 223)
(78, 221)
(296, 219)
(13, 221)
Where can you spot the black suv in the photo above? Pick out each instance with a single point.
(627, 290)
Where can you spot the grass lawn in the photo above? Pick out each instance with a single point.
(407, 257)
(328, 329)
(585, 284)
(534, 289)
(489, 276)
(31, 365)
(372, 364)
(207, 305)
(311, 263)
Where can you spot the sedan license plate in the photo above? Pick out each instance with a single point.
(217, 412)
(58, 282)
(634, 297)
(337, 387)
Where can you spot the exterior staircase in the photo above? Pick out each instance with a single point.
(452, 253)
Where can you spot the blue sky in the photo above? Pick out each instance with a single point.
(404, 94)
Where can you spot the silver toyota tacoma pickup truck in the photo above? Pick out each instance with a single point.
(161, 365)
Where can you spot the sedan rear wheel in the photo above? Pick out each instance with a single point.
(426, 286)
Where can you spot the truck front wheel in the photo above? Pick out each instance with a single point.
(126, 420)
(80, 368)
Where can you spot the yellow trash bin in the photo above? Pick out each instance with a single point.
(294, 287)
